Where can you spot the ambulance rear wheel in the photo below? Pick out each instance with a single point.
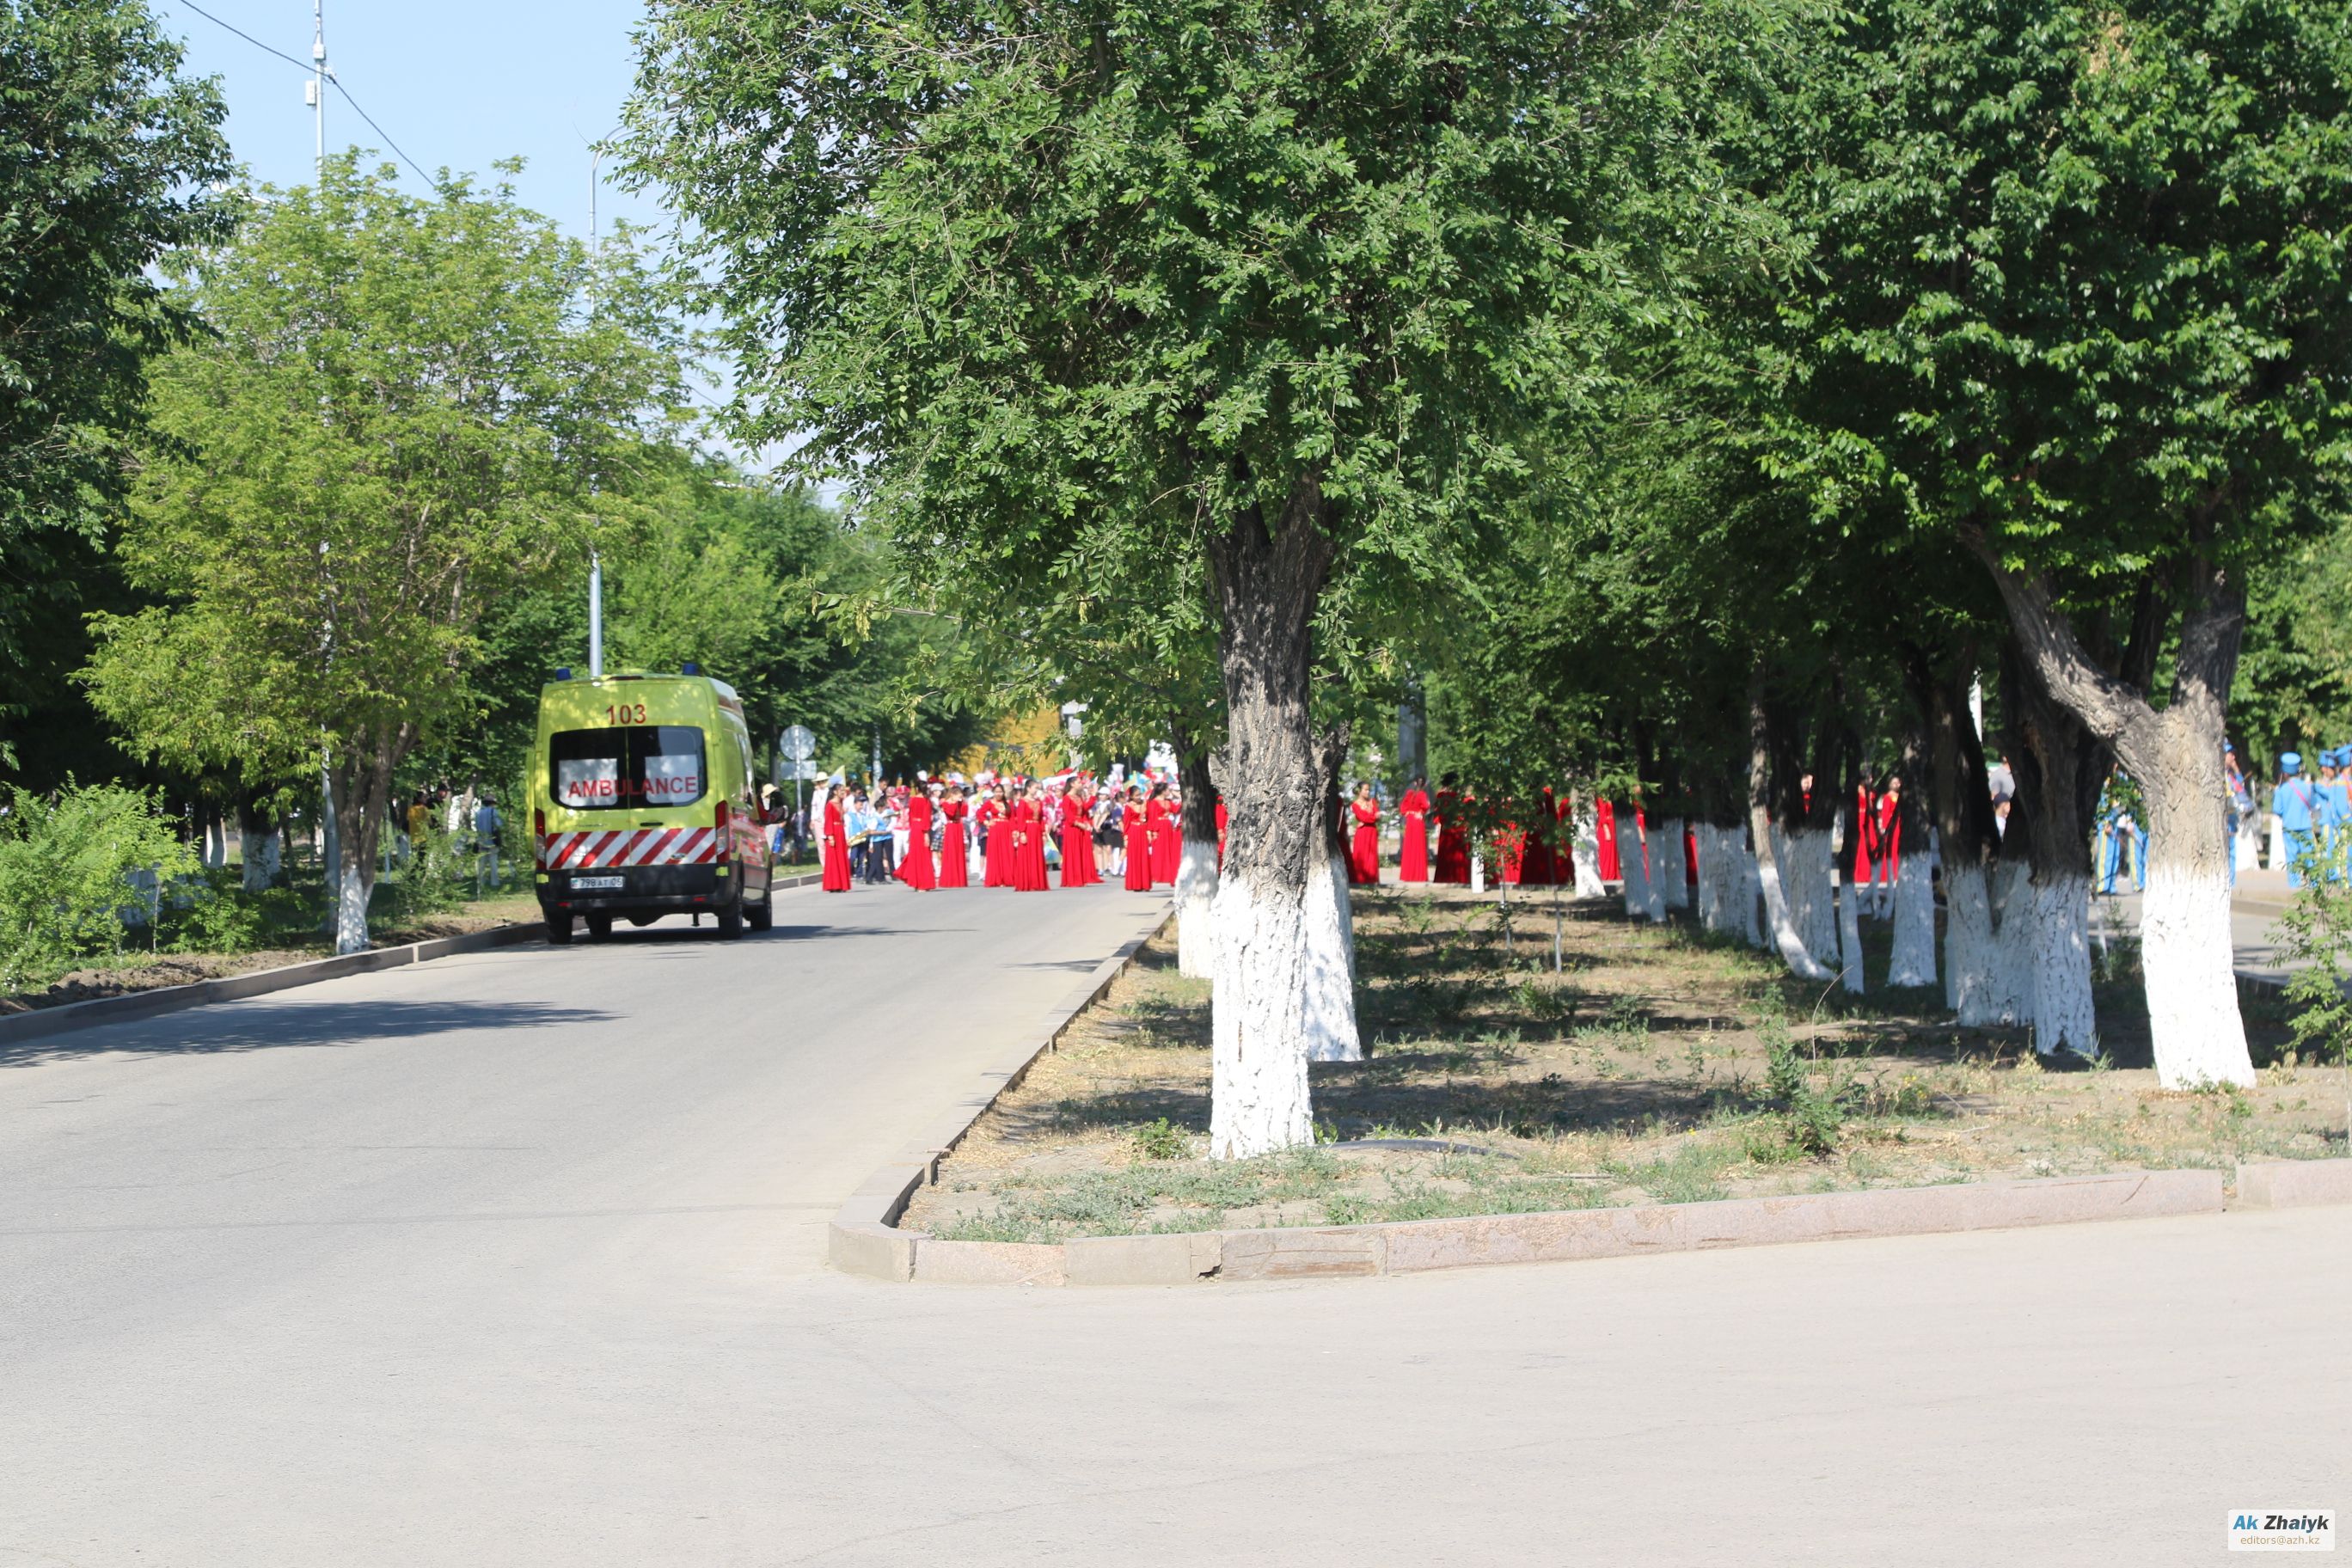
(731, 920)
(559, 930)
(600, 928)
(763, 915)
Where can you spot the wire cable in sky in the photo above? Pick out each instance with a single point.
(380, 130)
(307, 67)
(248, 37)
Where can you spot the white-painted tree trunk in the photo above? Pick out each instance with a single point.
(1196, 920)
(1588, 884)
(1262, 989)
(351, 909)
(2010, 991)
(1633, 875)
(1751, 899)
(1710, 902)
(1850, 959)
(1673, 867)
(259, 853)
(1785, 938)
(1968, 936)
(1914, 959)
(215, 848)
(1329, 970)
(2187, 952)
(2059, 951)
(2278, 841)
(1803, 858)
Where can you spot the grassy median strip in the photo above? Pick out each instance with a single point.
(1653, 1064)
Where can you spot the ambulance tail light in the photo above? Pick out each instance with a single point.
(719, 819)
(539, 821)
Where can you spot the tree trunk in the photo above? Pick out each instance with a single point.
(1196, 869)
(1849, 895)
(1588, 884)
(257, 846)
(359, 791)
(1330, 929)
(1673, 873)
(2060, 763)
(1965, 830)
(1782, 930)
(1913, 961)
(2186, 956)
(1632, 866)
(1268, 587)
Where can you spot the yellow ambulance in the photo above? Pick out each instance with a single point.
(643, 804)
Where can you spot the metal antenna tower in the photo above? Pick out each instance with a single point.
(315, 90)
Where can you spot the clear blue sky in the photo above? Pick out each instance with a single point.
(452, 83)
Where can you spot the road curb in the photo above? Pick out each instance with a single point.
(864, 1237)
(2295, 1183)
(1414, 1246)
(44, 1022)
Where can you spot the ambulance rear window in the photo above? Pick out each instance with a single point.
(628, 769)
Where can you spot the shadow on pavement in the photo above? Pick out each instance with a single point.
(250, 1027)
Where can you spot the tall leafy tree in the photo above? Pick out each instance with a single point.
(1271, 290)
(108, 157)
(391, 424)
(2076, 299)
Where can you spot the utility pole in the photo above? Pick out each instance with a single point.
(595, 614)
(317, 86)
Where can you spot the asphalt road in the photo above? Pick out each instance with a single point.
(517, 1258)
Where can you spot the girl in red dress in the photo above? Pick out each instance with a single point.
(1138, 849)
(996, 833)
(1452, 838)
(1157, 837)
(915, 870)
(1028, 850)
(1221, 833)
(1169, 847)
(1364, 844)
(1538, 870)
(1077, 840)
(1412, 855)
(1605, 842)
(953, 872)
(837, 845)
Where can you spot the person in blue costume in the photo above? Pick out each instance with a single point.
(2305, 810)
(2121, 826)
(2239, 807)
(2338, 783)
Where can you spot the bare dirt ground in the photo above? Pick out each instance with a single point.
(1652, 1064)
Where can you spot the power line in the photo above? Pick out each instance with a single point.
(248, 37)
(305, 67)
(380, 130)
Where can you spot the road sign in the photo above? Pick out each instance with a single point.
(796, 744)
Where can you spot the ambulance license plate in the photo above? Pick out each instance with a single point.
(597, 884)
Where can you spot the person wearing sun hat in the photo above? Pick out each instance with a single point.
(2335, 792)
(2304, 809)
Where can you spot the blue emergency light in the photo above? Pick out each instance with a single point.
(689, 667)
(563, 674)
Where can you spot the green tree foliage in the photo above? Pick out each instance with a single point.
(106, 156)
(764, 588)
(2074, 295)
(66, 865)
(393, 424)
(1267, 292)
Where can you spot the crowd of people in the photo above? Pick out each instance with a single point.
(1009, 831)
